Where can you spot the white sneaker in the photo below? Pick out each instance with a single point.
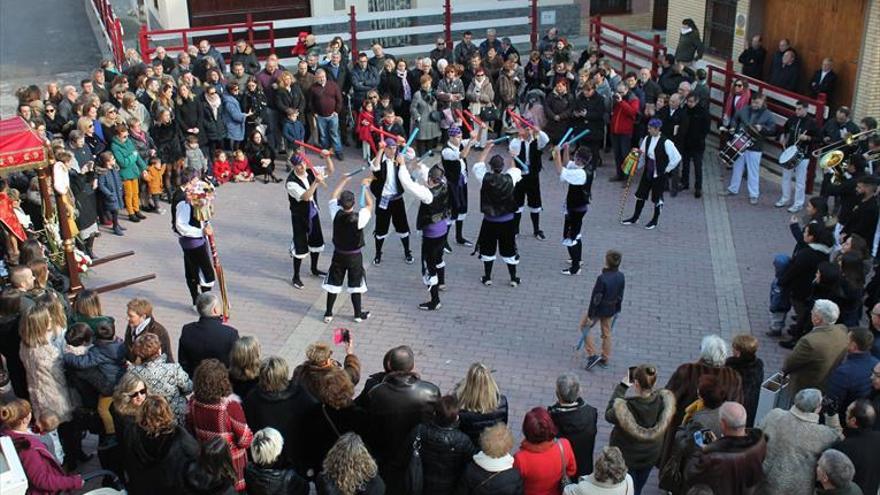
(795, 208)
(781, 203)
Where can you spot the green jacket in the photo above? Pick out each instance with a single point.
(131, 165)
(640, 424)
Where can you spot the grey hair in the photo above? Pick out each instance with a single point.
(267, 446)
(808, 400)
(610, 466)
(827, 311)
(714, 350)
(206, 303)
(838, 467)
(685, 84)
(733, 414)
(568, 387)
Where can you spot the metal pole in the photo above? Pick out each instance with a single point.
(656, 49)
(249, 20)
(352, 27)
(145, 45)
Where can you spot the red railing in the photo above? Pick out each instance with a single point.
(260, 35)
(630, 51)
(779, 101)
(112, 28)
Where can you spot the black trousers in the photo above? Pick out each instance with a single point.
(697, 158)
(498, 237)
(396, 213)
(198, 270)
(653, 186)
(432, 259)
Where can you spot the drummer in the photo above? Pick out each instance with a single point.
(799, 133)
(756, 121)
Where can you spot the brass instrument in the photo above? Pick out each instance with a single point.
(831, 156)
(847, 141)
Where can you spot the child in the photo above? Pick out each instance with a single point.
(779, 301)
(384, 104)
(154, 175)
(194, 156)
(107, 355)
(605, 305)
(241, 171)
(131, 166)
(751, 370)
(293, 130)
(110, 188)
(365, 119)
(222, 169)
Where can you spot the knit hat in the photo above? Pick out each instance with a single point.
(655, 123)
(454, 131)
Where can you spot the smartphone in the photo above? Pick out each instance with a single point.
(632, 373)
(701, 437)
(341, 336)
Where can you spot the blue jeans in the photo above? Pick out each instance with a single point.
(328, 131)
(640, 478)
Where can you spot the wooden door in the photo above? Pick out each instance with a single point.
(214, 12)
(661, 11)
(819, 29)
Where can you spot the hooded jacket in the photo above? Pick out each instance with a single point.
(156, 464)
(577, 424)
(640, 424)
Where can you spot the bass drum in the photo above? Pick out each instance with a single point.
(791, 157)
(738, 144)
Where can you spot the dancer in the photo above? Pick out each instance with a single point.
(578, 174)
(302, 194)
(192, 235)
(498, 204)
(389, 193)
(433, 220)
(454, 161)
(659, 158)
(348, 240)
(528, 147)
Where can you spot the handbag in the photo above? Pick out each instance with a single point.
(490, 113)
(435, 116)
(565, 480)
(414, 478)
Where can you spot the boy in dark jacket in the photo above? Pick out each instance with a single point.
(605, 305)
(293, 130)
(110, 188)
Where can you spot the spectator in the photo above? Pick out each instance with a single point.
(787, 74)
(548, 41)
(640, 422)
(261, 157)
(858, 442)
(704, 413)
(325, 100)
(543, 460)
(795, 441)
(10, 340)
(212, 124)
(395, 407)
(163, 378)
(823, 80)
(44, 474)
(208, 51)
(244, 365)
(244, 53)
(215, 413)
(211, 472)
(379, 57)
(87, 309)
(690, 46)
(731, 464)
(480, 401)
(128, 397)
(319, 362)
(750, 367)
(851, 380)
(189, 115)
(576, 421)
(266, 474)
(441, 51)
(337, 415)
(364, 78)
(141, 321)
(492, 470)
(349, 468)
(610, 477)
(752, 58)
(693, 139)
(835, 472)
(819, 352)
(464, 50)
(131, 166)
(157, 450)
(233, 116)
(797, 278)
(206, 338)
(444, 449)
(558, 108)
(425, 116)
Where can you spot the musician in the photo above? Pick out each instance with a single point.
(837, 129)
(348, 241)
(659, 157)
(863, 218)
(432, 219)
(578, 174)
(192, 237)
(528, 147)
(454, 161)
(389, 193)
(498, 204)
(758, 121)
(302, 194)
(800, 130)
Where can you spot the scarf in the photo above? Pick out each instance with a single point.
(213, 102)
(141, 326)
(492, 464)
(407, 91)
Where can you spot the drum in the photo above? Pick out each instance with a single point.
(738, 144)
(791, 157)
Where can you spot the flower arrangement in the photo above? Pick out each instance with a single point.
(200, 195)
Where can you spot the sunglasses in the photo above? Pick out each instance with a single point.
(50, 110)
(133, 395)
(737, 85)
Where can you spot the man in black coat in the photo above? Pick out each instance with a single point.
(788, 74)
(694, 144)
(576, 421)
(798, 277)
(752, 58)
(396, 406)
(207, 338)
(859, 436)
(863, 218)
(823, 80)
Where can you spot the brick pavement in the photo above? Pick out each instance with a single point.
(702, 271)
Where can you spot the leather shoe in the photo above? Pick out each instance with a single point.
(788, 344)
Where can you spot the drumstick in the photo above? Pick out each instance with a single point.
(501, 139)
(412, 137)
(521, 164)
(464, 122)
(519, 119)
(478, 121)
(363, 198)
(355, 172)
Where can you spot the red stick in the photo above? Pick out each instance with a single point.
(478, 121)
(386, 133)
(464, 121)
(520, 119)
(310, 147)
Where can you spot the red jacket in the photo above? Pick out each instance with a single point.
(45, 476)
(540, 466)
(623, 115)
(225, 420)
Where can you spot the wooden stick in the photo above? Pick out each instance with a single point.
(110, 257)
(475, 119)
(464, 122)
(310, 147)
(567, 133)
(520, 119)
(385, 133)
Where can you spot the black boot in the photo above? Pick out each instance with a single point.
(328, 314)
(378, 257)
(441, 278)
(640, 203)
(446, 247)
(407, 254)
(536, 226)
(434, 303)
(575, 253)
(514, 280)
(656, 218)
(487, 273)
(315, 271)
(297, 282)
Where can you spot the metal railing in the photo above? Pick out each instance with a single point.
(111, 28)
(628, 50)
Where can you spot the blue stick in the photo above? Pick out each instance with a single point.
(427, 154)
(501, 139)
(412, 137)
(567, 133)
(355, 172)
(575, 139)
(363, 199)
(586, 332)
(521, 164)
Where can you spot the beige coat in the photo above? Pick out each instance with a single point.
(814, 356)
(47, 385)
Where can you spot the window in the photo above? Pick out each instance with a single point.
(338, 4)
(720, 19)
(603, 7)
